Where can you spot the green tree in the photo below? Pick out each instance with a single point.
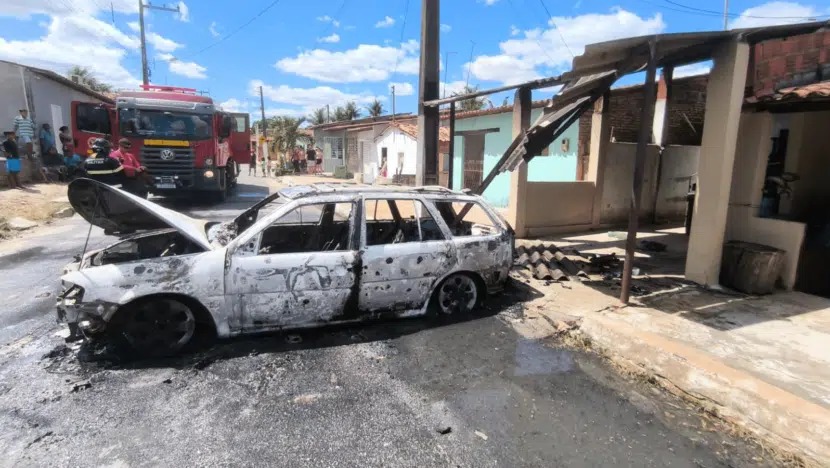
(375, 109)
(87, 79)
(318, 116)
(472, 104)
(285, 132)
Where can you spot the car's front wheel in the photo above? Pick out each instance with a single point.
(458, 294)
(156, 327)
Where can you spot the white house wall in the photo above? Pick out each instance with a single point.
(397, 142)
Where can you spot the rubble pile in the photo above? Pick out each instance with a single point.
(547, 262)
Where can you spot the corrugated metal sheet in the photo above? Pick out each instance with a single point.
(547, 262)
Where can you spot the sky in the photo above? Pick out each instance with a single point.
(307, 54)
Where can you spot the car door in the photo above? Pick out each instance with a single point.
(404, 252)
(297, 271)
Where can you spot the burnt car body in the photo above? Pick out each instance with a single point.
(303, 257)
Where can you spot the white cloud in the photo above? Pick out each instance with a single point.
(187, 69)
(308, 99)
(134, 25)
(184, 12)
(26, 8)
(386, 22)
(514, 31)
(162, 43)
(488, 2)
(234, 105)
(213, 31)
(452, 87)
(101, 45)
(329, 19)
(402, 89)
(773, 13)
(332, 39)
(692, 69)
(366, 62)
(445, 28)
(541, 51)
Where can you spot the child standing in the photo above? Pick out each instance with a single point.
(12, 160)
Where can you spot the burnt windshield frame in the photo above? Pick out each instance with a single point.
(151, 123)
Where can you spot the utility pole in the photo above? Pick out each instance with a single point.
(393, 103)
(263, 126)
(470, 68)
(145, 71)
(725, 15)
(446, 70)
(328, 114)
(426, 164)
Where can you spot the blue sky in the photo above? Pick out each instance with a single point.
(307, 54)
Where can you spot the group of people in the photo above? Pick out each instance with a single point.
(54, 163)
(59, 159)
(302, 161)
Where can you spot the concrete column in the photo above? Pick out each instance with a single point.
(661, 121)
(600, 138)
(724, 98)
(518, 179)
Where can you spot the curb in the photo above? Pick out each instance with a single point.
(788, 421)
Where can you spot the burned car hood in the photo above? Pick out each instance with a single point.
(122, 213)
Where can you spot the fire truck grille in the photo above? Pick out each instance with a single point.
(158, 162)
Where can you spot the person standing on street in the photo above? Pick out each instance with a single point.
(47, 140)
(133, 170)
(24, 131)
(252, 164)
(12, 160)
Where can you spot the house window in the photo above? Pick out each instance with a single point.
(333, 147)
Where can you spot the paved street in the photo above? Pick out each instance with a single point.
(469, 393)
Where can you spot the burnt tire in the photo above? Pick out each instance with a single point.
(155, 327)
(457, 295)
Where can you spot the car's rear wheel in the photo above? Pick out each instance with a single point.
(156, 327)
(458, 294)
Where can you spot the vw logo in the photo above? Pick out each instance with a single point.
(167, 154)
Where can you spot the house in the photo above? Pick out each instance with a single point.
(760, 170)
(340, 149)
(396, 147)
(45, 94)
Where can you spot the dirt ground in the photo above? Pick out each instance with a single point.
(36, 202)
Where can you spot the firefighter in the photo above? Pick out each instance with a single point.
(101, 167)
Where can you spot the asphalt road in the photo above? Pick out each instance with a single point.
(471, 393)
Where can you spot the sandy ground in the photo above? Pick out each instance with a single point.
(36, 202)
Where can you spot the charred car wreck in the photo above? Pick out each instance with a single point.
(303, 257)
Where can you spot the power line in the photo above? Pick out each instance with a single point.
(734, 15)
(229, 35)
(553, 21)
(400, 42)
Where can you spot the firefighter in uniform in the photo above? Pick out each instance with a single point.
(101, 167)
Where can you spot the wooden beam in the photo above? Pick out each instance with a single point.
(643, 140)
(535, 84)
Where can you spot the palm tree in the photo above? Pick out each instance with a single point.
(472, 104)
(87, 79)
(351, 111)
(286, 134)
(318, 116)
(375, 109)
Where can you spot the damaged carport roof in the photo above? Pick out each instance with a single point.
(595, 71)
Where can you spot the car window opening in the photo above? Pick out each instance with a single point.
(405, 221)
(321, 227)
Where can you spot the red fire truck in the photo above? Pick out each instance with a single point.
(184, 141)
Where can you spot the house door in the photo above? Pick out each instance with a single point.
(473, 161)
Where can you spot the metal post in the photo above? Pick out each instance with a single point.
(426, 164)
(145, 72)
(451, 153)
(263, 125)
(646, 124)
(725, 15)
(393, 103)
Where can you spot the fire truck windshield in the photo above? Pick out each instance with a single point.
(149, 123)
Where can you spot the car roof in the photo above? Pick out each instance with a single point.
(328, 188)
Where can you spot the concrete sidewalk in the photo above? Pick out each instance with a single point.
(761, 363)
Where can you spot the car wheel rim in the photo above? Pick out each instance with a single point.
(458, 294)
(160, 326)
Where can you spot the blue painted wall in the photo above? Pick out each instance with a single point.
(557, 167)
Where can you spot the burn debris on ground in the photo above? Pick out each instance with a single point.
(548, 262)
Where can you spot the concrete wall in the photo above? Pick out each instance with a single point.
(619, 178)
(807, 157)
(52, 101)
(558, 165)
(11, 94)
(751, 154)
(552, 206)
(396, 142)
(678, 165)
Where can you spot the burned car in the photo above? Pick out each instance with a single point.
(305, 256)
